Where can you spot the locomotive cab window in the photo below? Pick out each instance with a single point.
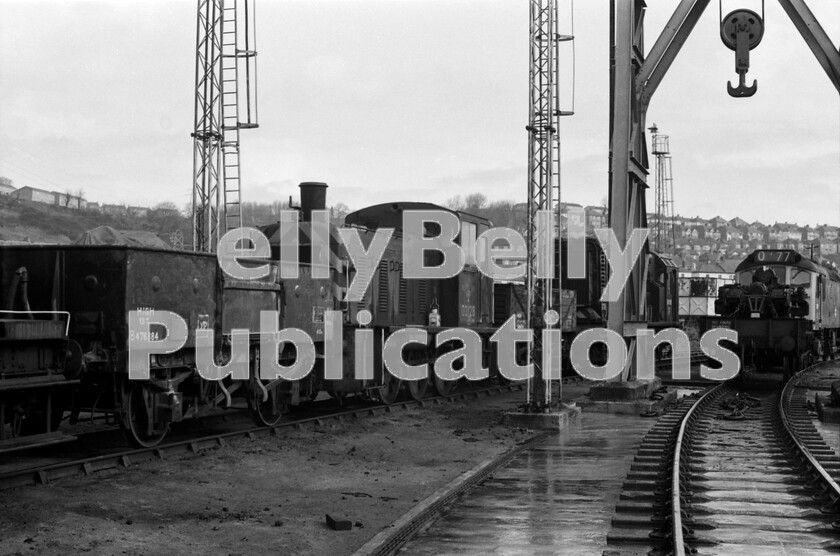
(768, 274)
(800, 278)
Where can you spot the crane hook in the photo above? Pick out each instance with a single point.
(742, 90)
(741, 31)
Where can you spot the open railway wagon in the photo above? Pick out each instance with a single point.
(785, 308)
(96, 286)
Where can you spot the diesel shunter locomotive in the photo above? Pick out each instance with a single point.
(784, 308)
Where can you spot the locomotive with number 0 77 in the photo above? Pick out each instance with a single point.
(785, 308)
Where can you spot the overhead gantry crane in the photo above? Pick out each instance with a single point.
(634, 78)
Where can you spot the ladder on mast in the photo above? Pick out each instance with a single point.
(226, 102)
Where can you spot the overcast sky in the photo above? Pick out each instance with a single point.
(407, 100)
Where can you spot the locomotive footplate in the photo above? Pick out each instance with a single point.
(786, 334)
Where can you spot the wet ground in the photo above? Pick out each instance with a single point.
(267, 496)
(556, 498)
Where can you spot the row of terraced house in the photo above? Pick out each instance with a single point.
(68, 200)
(717, 238)
(737, 237)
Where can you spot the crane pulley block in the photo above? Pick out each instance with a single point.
(741, 31)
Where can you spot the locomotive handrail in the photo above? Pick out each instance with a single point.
(816, 465)
(65, 313)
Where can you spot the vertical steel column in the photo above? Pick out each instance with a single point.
(628, 155)
(207, 134)
(543, 147)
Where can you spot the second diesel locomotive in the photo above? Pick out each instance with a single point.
(785, 308)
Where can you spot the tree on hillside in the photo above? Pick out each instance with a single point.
(6, 181)
(337, 213)
(472, 203)
(501, 213)
(455, 203)
(166, 207)
(165, 217)
(260, 214)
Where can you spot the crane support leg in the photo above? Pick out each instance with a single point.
(667, 46)
(628, 154)
(815, 36)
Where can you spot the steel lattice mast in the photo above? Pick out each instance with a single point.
(225, 62)
(207, 134)
(543, 183)
(663, 232)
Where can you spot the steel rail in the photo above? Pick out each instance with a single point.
(676, 509)
(90, 465)
(784, 402)
(678, 542)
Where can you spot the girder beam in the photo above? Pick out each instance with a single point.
(667, 46)
(815, 36)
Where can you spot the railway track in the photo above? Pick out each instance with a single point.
(740, 472)
(118, 457)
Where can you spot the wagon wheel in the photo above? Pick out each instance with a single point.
(390, 389)
(269, 412)
(313, 392)
(417, 388)
(138, 405)
(444, 387)
(501, 379)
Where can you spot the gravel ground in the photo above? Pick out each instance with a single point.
(267, 496)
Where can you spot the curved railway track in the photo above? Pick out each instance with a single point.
(117, 456)
(750, 474)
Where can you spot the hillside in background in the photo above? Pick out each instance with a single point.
(698, 240)
(41, 223)
(32, 222)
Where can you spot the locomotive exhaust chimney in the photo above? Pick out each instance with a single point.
(313, 196)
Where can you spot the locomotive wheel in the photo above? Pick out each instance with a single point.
(444, 387)
(417, 388)
(138, 403)
(266, 413)
(390, 390)
(501, 379)
(311, 388)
